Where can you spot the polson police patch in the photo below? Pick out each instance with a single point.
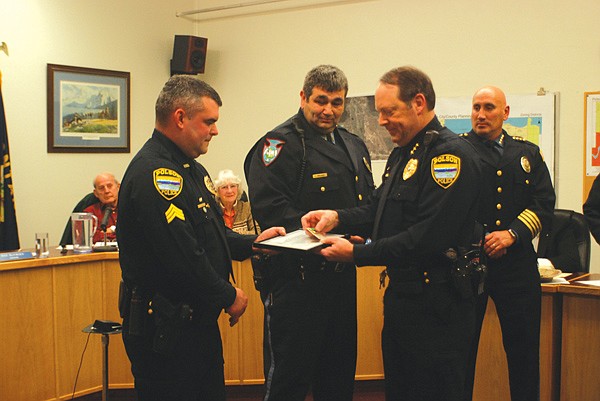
(168, 182)
(445, 169)
(271, 150)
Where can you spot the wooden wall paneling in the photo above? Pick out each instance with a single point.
(27, 371)
(251, 326)
(580, 351)
(119, 369)
(77, 295)
(369, 300)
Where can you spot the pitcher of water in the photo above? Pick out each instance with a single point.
(84, 227)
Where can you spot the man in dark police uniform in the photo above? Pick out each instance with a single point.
(422, 220)
(175, 253)
(517, 200)
(305, 163)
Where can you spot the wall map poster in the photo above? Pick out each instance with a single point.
(531, 117)
(592, 134)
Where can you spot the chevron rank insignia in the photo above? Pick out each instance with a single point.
(271, 150)
(445, 169)
(168, 183)
(173, 212)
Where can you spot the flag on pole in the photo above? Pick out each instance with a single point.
(9, 235)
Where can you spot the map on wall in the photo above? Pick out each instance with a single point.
(531, 117)
(592, 134)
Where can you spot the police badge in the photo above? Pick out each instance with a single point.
(168, 182)
(271, 150)
(445, 169)
(525, 164)
(410, 169)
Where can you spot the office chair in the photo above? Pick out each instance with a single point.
(88, 200)
(574, 232)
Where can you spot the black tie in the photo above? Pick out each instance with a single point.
(389, 183)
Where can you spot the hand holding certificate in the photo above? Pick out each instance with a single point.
(298, 240)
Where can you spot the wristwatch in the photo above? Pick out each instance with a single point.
(513, 234)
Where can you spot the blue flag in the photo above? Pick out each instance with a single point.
(9, 235)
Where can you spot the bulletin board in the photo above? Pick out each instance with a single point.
(591, 143)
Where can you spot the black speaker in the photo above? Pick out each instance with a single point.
(189, 55)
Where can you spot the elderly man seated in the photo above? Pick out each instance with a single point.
(106, 189)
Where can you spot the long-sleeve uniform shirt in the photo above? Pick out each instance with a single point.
(310, 315)
(516, 194)
(426, 205)
(171, 235)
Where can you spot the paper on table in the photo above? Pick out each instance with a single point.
(595, 283)
(558, 280)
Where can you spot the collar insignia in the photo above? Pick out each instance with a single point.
(168, 182)
(525, 164)
(410, 169)
(445, 169)
(209, 185)
(271, 150)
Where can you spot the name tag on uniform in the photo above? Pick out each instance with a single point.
(319, 175)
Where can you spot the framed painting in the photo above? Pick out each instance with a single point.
(88, 110)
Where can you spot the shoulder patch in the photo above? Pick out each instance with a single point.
(168, 183)
(209, 185)
(271, 150)
(445, 169)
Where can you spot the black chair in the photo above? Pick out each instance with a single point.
(88, 200)
(567, 242)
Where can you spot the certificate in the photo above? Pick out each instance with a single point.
(297, 240)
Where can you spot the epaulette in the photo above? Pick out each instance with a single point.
(342, 128)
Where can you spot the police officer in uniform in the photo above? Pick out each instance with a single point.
(305, 163)
(517, 200)
(422, 220)
(175, 253)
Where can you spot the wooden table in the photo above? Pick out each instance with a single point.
(580, 357)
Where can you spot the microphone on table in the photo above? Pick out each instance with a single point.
(103, 223)
(107, 212)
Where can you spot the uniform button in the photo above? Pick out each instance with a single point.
(499, 190)
(322, 189)
(426, 281)
(150, 311)
(359, 197)
(527, 182)
(499, 173)
(499, 206)
(356, 178)
(498, 222)
(387, 175)
(425, 274)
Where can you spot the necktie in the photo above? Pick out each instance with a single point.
(382, 199)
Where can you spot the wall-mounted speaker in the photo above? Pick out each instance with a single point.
(189, 55)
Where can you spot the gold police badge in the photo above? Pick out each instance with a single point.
(209, 185)
(410, 169)
(525, 164)
(445, 169)
(168, 182)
